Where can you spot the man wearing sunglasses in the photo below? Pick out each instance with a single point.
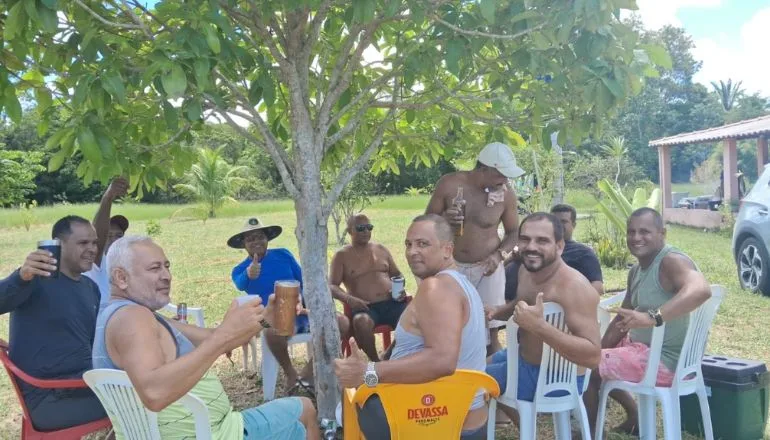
(366, 269)
(475, 202)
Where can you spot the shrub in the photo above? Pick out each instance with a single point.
(153, 228)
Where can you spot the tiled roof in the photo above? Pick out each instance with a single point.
(750, 128)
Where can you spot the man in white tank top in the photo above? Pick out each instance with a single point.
(441, 330)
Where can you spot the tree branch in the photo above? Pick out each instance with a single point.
(315, 28)
(170, 141)
(347, 173)
(105, 21)
(137, 20)
(256, 119)
(469, 33)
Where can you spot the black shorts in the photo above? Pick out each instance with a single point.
(385, 312)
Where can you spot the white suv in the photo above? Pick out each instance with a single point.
(751, 237)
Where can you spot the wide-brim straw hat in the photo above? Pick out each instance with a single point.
(253, 224)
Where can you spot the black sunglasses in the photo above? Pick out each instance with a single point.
(364, 227)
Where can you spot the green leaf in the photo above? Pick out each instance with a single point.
(488, 8)
(268, 87)
(42, 127)
(81, 91)
(56, 138)
(202, 72)
(15, 22)
(255, 92)
(113, 84)
(47, 18)
(43, 98)
(658, 55)
(194, 111)
(12, 105)
(392, 8)
(171, 116)
(57, 160)
(174, 82)
(410, 116)
(614, 87)
(454, 50)
(212, 39)
(106, 146)
(51, 4)
(88, 145)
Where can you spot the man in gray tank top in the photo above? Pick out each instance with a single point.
(441, 330)
(664, 286)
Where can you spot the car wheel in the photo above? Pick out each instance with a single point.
(753, 265)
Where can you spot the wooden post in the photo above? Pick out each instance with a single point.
(664, 174)
(761, 154)
(730, 169)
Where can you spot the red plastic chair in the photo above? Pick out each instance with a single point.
(28, 431)
(383, 329)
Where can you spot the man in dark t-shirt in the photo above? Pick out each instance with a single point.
(577, 256)
(52, 325)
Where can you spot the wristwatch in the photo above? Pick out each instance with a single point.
(655, 314)
(370, 377)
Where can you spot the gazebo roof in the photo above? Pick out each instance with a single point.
(749, 128)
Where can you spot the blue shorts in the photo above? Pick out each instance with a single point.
(497, 367)
(276, 419)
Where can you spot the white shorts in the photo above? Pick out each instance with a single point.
(491, 288)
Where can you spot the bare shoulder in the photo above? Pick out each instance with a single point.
(379, 247)
(575, 288)
(343, 251)
(130, 320)
(676, 261)
(449, 181)
(437, 289)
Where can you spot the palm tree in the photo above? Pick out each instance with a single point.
(615, 149)
(211, 181)
(728, 92)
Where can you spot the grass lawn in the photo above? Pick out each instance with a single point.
(201, 264)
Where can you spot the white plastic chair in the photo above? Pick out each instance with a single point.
(688, 378)
(196, 313)
(128, 414)
(556, 374)
(270, 363)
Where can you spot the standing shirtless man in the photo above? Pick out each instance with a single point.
(366, 269)
(545, 277)
(489, 200)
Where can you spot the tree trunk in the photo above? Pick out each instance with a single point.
(312, 235)
(558, 184)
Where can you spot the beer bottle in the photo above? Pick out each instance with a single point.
(181, 312)
(459, 202)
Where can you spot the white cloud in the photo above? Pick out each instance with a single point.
(658, 13)
(745, 60)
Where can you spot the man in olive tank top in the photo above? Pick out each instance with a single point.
(664, 286)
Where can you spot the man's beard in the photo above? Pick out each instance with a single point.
(544, 262)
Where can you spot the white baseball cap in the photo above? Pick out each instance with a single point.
(499, 156)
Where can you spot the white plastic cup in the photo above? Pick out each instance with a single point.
(396, 287)
(243, 299)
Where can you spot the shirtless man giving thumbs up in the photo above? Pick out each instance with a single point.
(544, 277)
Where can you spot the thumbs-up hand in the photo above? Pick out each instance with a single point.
(528, 317)
(350, 371)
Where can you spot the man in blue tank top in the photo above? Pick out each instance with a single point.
(441, 330)
(664, 286)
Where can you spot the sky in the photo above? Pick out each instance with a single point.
(732, 37)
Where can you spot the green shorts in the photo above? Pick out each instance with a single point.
(277, 419)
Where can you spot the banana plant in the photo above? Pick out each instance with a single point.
(616, 206)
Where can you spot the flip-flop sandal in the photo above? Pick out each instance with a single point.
(304, 386)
